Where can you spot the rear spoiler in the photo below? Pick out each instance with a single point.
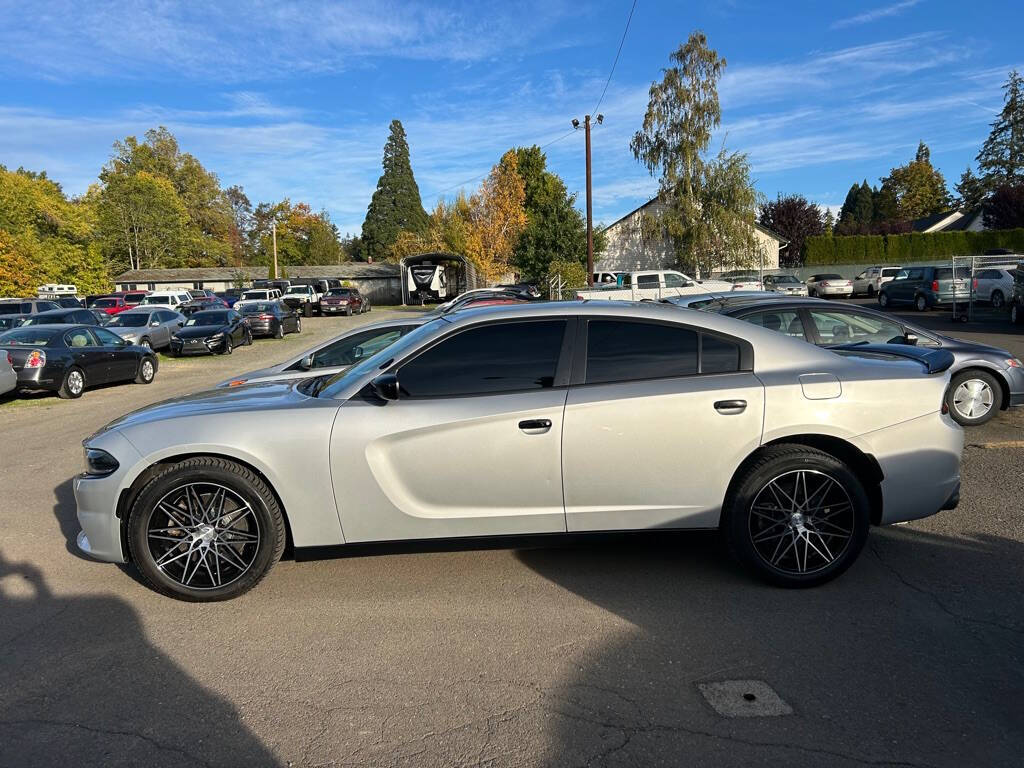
(934, 360)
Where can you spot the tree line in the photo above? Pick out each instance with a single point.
(917, 190)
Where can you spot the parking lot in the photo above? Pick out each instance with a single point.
(591, 654)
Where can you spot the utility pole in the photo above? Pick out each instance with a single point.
(273, 229)
(590, 200)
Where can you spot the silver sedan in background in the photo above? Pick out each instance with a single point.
(147, 326)
(501, 422)
(333, 356)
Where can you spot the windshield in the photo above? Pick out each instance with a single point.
(339, 382)
(129, 320)
(38, 336)
(785, 279)
(105, 303)
(207, 318)
(256, 309)
(298, 289)
(157, 300)
(255, 295)
(338, 292)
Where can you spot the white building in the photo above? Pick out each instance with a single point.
(627, 250)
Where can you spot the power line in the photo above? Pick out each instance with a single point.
(617, 53)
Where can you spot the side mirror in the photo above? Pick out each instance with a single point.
(385, 386)
(154, 324)
(181, 324)
(306, 363)
(687, 284)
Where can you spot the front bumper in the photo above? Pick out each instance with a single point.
(196, 346)
(96, 499)
(335, 308)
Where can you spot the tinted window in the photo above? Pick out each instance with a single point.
(647, 281)
(620, 351)
(354, 348)
(915, 274)
(782, 321)
(495, 358)
(38, 336)
(718, 355)
(848, 327)
(208, 318)
(890, 272)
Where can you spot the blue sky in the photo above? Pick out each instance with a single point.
(293, 98)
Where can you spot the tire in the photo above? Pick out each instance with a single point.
(73, 385)
(832, 535)
(247, 341)
(920, 303)
(1015, 315)
(279, 331)
(224, 556)
(997, 299)
(147, 344)
(871, 291)
(298, 325)
(147, 370)
(348, 311)
(228, 347)
(974, 397)
(883, 299)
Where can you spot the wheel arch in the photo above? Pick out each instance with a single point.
(863, 465)
(129, 494)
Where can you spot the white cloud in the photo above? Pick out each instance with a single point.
(875, 14)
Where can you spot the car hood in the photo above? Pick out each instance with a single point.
(199, 331)
(281, 372)
(253, 397)
(125, 330)
(963, 348)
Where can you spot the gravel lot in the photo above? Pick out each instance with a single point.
(584, 655)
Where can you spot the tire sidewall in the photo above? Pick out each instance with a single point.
(920, 303)
(735, 522)
(142, 363)
(883, 299)
(271, 537)
(997, 299)
(997, 397)
(65, 391)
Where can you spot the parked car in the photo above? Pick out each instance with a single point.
(871, 279)
(150, 327)
(336, 355)
(745, 282)
(230, 296)
(302, 298)
(169, 299)
(271, 318)
(985, 379)
(212, 331)
(654, 284)
(192, 306)
(1017, 296)
(789, 285)
(345, 301)
(829, 285)
(67, 359)
(926, 287)
(257, 295)
(201, 293)
(77, 316)
(8, 377)
(26, 306)
(110, 304)
(994, 285)
(709, 414)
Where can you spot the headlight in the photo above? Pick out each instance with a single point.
(216, 337)
(99, 463)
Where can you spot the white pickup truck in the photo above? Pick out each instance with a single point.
(655, 284)
(304, 299)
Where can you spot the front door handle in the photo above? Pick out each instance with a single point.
(731, 406)
(535, 426)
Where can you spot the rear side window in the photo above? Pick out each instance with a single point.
(786, 322)
(718, 355)
(618, 350)
(505, 357)
(647, 281)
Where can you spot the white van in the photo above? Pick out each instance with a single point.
(170, 299)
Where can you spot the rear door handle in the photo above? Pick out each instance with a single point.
(535, 426)
(731, 406)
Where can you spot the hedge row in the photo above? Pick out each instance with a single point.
(916, 246)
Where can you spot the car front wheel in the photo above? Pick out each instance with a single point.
(883, 299)
(147, 371)
(205, 529)
(73, 385)
(797, 517)
(973, 397)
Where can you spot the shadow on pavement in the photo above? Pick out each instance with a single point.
(911, 658)
(81, 685)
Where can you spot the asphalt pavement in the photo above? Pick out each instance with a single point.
(604, 653)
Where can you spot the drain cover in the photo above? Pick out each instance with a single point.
(744, 698)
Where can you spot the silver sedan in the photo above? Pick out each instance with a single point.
(501, 422)
(333, 356)
(147, 326)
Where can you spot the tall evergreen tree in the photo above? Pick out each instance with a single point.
(864, 205)
(1001, 159)
(970, 191)
(847, 223)
(396, 204)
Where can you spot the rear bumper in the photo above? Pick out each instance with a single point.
(260, 328)
(920, 463)
(833, 291)
(46, 377)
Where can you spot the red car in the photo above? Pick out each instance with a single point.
(110, 304)
(345, 301)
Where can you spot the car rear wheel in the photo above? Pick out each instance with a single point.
(73, 385)
(279, 331)
(883, 299)
(920, 303)
(147, 371)
(205, 529)
(871, 291)
(228, 347)
(797, 517)
(973, 397)
(998, 299)
(1015, 315)
(298, 325)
